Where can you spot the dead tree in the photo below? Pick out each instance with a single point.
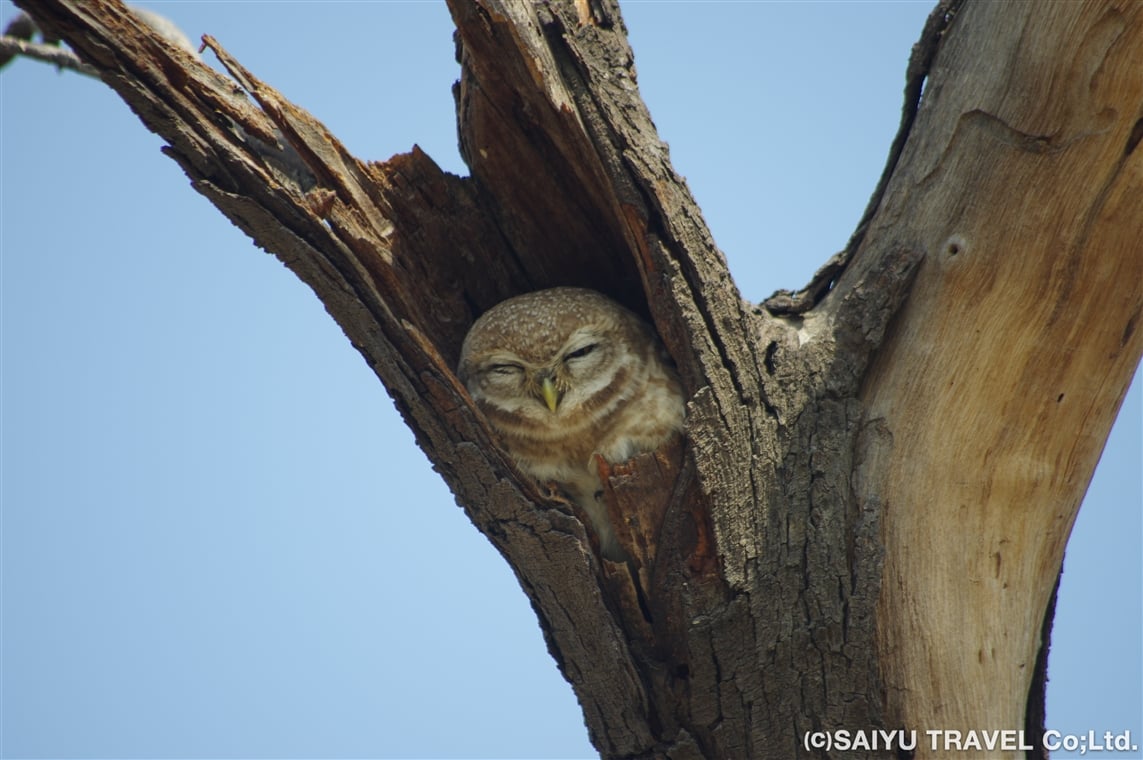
(865, 522)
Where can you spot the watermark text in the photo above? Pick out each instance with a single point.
(949, 740)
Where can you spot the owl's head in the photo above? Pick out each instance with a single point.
(552, 355)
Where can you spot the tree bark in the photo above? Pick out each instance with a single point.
(864, 524)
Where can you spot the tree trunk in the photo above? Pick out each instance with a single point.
(865, 522)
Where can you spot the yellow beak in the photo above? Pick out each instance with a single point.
(550, 394)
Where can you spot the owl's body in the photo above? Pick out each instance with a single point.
(565, 374)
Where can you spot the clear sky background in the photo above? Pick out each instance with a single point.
(219, 539)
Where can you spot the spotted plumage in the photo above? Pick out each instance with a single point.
(565, 374)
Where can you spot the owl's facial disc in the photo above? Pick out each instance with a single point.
(578, 358)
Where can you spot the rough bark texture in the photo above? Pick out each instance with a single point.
(865, 520)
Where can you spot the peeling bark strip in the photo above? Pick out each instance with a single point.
(869, 509)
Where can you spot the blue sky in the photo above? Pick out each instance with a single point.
(219, 539)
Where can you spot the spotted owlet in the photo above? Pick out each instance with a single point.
(565, 374)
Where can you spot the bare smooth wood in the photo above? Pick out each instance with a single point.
(990, 404)
(879, 472)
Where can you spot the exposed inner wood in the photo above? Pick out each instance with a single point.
(863, 523)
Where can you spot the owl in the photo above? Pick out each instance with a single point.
(567, 374)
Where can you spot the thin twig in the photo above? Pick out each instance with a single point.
(60, 57)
